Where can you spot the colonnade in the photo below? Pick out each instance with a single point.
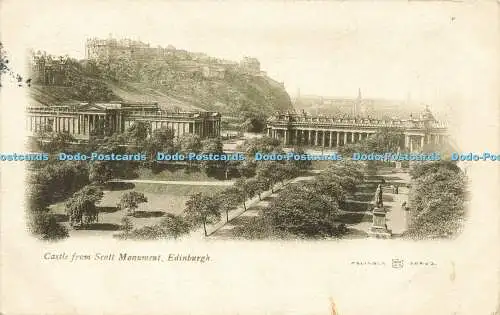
(81, 124)
(339, 137)
(208, 128)
(418, 140)
(318, 137)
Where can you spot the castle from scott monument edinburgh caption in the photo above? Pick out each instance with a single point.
(226, 153)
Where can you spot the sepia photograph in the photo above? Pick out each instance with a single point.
(363, 133)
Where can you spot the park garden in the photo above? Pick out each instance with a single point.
(233, 199)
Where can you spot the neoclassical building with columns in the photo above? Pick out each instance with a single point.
(333, 132)
(84, 119)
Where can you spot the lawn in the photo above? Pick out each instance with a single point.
(162, 199)
(180, 174)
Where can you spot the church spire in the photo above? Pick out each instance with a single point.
(357, 104)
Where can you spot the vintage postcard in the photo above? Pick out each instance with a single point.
(250, 157)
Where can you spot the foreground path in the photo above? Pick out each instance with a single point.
(174, 182)
(396, 215)
(359, 220)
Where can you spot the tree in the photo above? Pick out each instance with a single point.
(54, 182)
(259, 185)
(102, 171)
(5, 69)
(245, 189)
(263, 145)
(287, 170)
(302, 212)
(190, 143)
(324, 185)
(138, 133)
(213, 146)
(174, 226)
(231, 166)
(301, 164)
(425, 168)
(346, 173)
(202, 210)
(45, 226)
(161, 140)
(131, 200)
(229, 199)
(127, 225)
(271, 172)
(58, 142)
(81, 207)
(436, 200)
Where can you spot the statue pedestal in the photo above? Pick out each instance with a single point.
(379, 226)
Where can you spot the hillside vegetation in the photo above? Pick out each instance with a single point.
(175, 84)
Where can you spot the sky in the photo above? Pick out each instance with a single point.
(424, 51)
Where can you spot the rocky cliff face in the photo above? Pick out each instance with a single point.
(175, 84)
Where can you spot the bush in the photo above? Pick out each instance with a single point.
(45, 226)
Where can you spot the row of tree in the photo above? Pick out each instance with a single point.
(308, 209)
(204, 209)
(436, 200)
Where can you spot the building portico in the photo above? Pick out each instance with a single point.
(332, 132)
(103, 119)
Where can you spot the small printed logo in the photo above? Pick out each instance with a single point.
(397, 263)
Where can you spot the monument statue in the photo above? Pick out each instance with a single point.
(378, 197)
(379, 225)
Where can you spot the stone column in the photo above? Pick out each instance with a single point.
(323, 138)
(286, 137)
(338, 139)
(411, 144)
(316, 137)
(330, 144)
(352, 137)
(309, 136)
(345, 138)
(360, 136)
(269, 132)
(422, 141)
